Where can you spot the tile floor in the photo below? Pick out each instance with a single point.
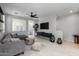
(53, 49)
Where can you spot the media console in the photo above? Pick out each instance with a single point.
(49, 35)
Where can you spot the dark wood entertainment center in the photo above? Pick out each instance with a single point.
(49, 35)
(76, 39)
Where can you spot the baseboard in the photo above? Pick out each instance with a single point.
(70, 40)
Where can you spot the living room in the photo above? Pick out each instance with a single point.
(35, 28)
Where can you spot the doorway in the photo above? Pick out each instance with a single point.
(30, 28)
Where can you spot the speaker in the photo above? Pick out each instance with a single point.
(59, 41)
(52, 39)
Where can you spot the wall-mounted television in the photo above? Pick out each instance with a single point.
(44, 25)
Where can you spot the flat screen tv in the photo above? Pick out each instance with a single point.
(44, 25)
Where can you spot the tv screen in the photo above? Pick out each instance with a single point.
(44, 25)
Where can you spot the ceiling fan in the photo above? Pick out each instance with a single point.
(33, 15)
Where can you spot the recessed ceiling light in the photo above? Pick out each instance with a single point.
(70, 11)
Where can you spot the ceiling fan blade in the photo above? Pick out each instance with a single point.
(35, 17)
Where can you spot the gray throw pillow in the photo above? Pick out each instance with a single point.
(5, 38)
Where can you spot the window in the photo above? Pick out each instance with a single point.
(2, 25)
(18, 25)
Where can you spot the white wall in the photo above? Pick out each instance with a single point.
(30, 27)
(69, 24)
(2, 25)
(52, 24)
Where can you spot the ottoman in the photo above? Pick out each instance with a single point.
(37, 46)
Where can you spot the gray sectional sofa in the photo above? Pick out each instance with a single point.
(12, 47)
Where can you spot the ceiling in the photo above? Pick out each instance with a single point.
(42, 9)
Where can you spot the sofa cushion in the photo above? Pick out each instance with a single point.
(14, 39)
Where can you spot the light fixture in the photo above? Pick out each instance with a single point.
(70, 11)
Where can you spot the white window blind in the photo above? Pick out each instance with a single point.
(18, 25)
